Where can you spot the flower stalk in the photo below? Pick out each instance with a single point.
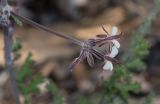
(41, 27)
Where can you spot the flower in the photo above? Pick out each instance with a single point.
(114, 50)
(104, 47)
(87, 52)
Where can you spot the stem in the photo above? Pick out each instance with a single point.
(67, 37)
(9, 61)
(3, 2)
(18, 6)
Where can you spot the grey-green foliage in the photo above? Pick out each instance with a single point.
(15, 49)
(139, 46)
(83, 100)
(149, 98)
(119, 86)
(57, 95)
(26, 76)
(17, 21)
(120, 83)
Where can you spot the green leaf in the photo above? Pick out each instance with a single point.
(16, 45)
(26, 70)
(17, 21)
(52, 88)
(16, 48)
(58, 97)
(83, 100)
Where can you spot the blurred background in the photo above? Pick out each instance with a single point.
(136, 81)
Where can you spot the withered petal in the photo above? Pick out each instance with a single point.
(113, 60)
(90, 59)
(96, 56)
(103, 43)
(76, 61)
(113, 37)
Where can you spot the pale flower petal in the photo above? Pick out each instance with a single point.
(114, 30)
(114, 52)
(108, 66)
(116, 43)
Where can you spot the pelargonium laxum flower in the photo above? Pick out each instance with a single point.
(114, 50)
(92, 49)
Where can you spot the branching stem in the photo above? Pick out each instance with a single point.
(9, 62)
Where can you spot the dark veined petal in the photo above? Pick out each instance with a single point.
(108, 38)
(90, 59)
(113, 37)
(110, 47)
(96, 56)
(113, 60)
(103, 43)
(96, 52)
